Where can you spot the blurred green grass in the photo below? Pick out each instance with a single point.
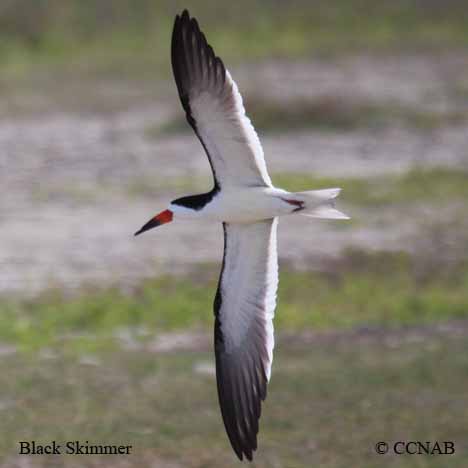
(330, 401)
(337, 114)
(99, 37)
(360, 289)
(329, 114)
(435, 186)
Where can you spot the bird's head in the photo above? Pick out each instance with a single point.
(182, 208)
(164, 217)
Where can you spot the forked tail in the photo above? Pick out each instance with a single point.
(320, 204)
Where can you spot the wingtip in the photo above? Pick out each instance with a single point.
(248, 454)
(194, 24)
(243, 448)
(184, 16)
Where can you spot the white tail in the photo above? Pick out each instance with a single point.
(320, 204)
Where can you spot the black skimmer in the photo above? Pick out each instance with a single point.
(244, 199)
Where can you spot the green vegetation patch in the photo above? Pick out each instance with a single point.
(418, 185)
(95, 36)
(329, 113)
(329, 402)
(361, 289)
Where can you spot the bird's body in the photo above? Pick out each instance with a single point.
(246, 202)
(240, 205)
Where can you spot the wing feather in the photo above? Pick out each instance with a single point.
(214, 109)
(244, 308)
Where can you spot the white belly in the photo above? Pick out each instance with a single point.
(247, 205)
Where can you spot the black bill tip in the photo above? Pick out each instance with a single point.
(149, 225)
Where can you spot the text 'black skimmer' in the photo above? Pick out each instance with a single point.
(244, 199)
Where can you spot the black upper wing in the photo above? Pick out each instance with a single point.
(214, 108)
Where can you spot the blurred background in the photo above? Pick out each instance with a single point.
(108, 338)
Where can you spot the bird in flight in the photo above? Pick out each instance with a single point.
(247, 204)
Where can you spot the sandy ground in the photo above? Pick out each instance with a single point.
(68, 210)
